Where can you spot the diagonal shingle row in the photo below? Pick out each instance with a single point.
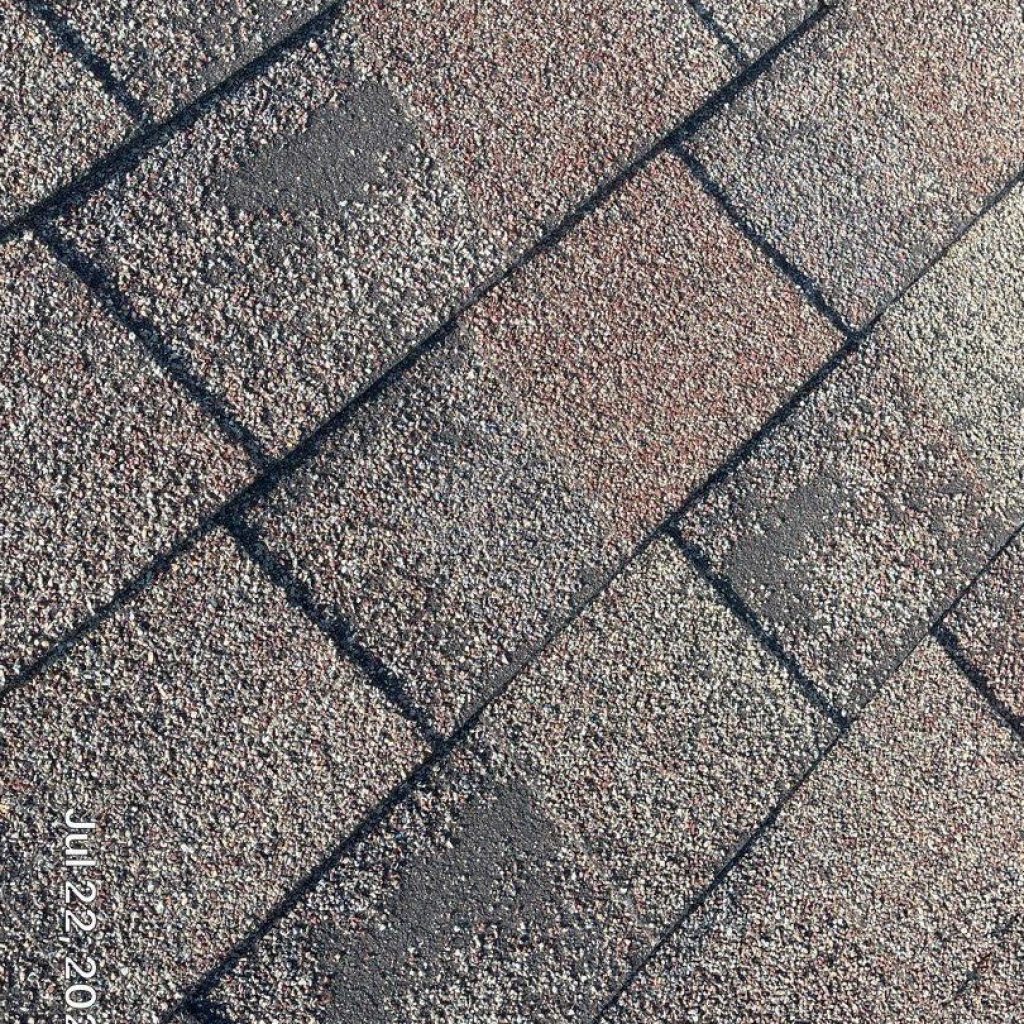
(508, 928)
(496, 371)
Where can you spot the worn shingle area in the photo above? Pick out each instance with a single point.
(103, 463)
(220, 745)
(989, 626)
(55, 118)
(892, 874)
(862, 151)
(293, 242)
(595, 797)
(868, 510)
(455, 520)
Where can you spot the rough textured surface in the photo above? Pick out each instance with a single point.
(867, 511)
(452, 522)
(755, 26)
(165, 54)
(221, 748)
(871, 141)
(598, 794)
(294, 242)
(989, 625)
(54, 117)
(640, 347)
(103, 463)
(993, 991)
(893, 872)
(573, 517)
(592, 87)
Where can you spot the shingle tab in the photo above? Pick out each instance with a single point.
(599, 792)
(221, 747)
(989, 625)
(166, 53)
(892, 872)
(872, 140)
(459, 517)
(863, 515)
(55, 118)
(532, 103)
(294, 241)
(103, 462)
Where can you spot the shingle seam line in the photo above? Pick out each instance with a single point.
(950, 643)
(717, 881)
(712, 24)
(171, 361)
(75, 46)
(340, 634)
(785, 267)
(730, 597)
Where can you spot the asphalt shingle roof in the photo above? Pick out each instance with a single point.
(511, 512)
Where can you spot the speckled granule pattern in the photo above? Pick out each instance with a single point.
(891, 874)
(457, 520)
(593, 86)
(868, 144)
(993, 992)
(754, 26)
(103, 462)
(640, 347)
(868, 510)
(597, 795)
(989, 625)
(437, 527)
(510, 511)
(165, 54)
(294, 242)
(221, 747)
(54, 119)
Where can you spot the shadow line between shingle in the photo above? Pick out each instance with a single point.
(711, 23)
(308, 447)
(732, 600)
(72, 42)
(340, 633)
(935, 630)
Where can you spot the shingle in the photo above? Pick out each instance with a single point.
(757, 25)
(866, 146)
(307, 230)
(532, 104)
(598, 794)
(294, 241)
(461, 515)
(165, 54)
(55, 118)
(864, 514)
(221, 747)
(989, 625)
(103, 464)
(888, 876)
